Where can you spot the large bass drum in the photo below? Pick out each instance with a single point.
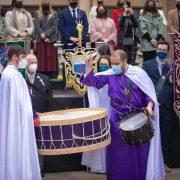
(72, 131)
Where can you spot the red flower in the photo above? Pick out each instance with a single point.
(37, 122)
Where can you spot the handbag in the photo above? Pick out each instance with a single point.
(127, 41)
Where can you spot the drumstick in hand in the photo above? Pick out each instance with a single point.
(149, 109)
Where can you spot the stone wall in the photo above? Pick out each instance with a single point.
(166, 5)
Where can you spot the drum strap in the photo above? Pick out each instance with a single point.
(129, 89)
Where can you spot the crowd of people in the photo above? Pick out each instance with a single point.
(123, 30)
(120, 36)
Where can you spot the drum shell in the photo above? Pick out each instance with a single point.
(139, 136)
(70, 138)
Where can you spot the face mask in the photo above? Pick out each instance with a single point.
(73, 5)
(151, 8)
(100, 2)
(33, 68)
(117, 69)
(101, 14)
(18, 4)
(161, 54)
(103, 68)
(178, 5)
(22, 64)
(45, 7)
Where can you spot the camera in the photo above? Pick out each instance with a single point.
(128, 4)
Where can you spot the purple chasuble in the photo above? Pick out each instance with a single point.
(123, 162)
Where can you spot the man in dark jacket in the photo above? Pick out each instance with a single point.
(39, 86)
(41, 92)
(68, 19)
(158, 70)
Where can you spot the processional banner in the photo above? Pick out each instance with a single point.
(175, 55)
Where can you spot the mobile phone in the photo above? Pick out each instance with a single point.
(128, 4)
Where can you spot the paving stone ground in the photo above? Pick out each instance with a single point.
(174, 175)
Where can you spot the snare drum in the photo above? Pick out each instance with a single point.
(136, 128)
(72, 131)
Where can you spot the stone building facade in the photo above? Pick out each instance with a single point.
(166, 5)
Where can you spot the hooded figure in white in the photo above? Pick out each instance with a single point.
(18, 150)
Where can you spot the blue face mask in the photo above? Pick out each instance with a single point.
(103, 68)
(161, 54)
(117, 69)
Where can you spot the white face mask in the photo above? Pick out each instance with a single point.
(22, 64)
(33, 68)
(117, 69)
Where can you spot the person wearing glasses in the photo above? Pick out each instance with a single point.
(158, 70)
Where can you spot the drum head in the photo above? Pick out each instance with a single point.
(133, 121)
(72, 116)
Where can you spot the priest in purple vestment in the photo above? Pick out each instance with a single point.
(126, 162)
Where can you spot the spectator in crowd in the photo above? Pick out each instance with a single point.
(174, 19)
(103, 28)
(41, 92)
(103, 63)
(39, 85)
(19, 21)
(151, 30)
(158, 70)
(46, 22)
(129, 24)
(96, 160)
(161, 12)
(115, 14)
(93, 12)
(68, 19)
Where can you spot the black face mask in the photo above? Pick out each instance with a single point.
(151, 8)
(101, 14)
(18, 4)
(73, 4)
(178, 5)
(100, 3)
(45, 7)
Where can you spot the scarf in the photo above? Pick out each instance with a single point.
(14, 18)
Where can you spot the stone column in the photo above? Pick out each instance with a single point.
(94, 2)
(85, 5)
